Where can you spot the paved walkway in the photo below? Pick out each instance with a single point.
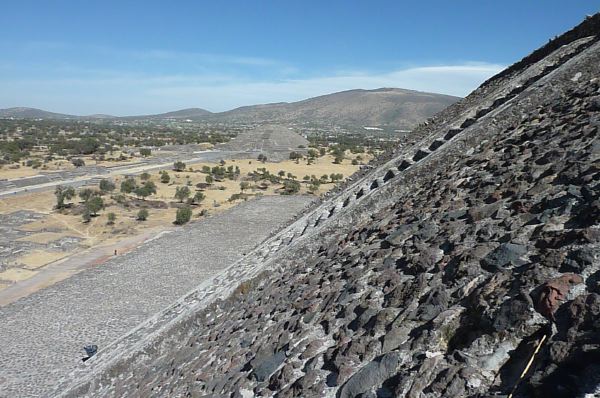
(42, 335)
(67, 267)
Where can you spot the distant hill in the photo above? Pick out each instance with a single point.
(398, 108)
(33, 113)
(381, 107)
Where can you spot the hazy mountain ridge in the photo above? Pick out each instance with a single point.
(380, 107)
(33, 113)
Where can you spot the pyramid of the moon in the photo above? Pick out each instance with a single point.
(274, 141)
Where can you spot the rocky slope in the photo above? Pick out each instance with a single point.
(470, 255)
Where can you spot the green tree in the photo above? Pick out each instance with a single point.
(164, 177)
(182, 193)
(128, 185)
(94, 205)
(63, 193)
(142, 215)
(106, 185)
(262, 158)
(183, 215)
(205, 169)
(145, 176)
(179, 166)
(244, 185)
(145, 152)
(111, 218)
(209, 180)
(86, 193)
(336, 177)
(145, 190)
(290, 187)
(198, 197)
(86, 215)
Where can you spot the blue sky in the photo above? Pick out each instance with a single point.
(135, 57)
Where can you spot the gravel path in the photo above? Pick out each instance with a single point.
(42, 335)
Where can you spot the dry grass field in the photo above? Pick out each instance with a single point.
(60, 164)
(162, 206)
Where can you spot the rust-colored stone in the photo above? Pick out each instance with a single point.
(553, 292)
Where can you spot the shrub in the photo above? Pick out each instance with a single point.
(142, 215)
(164, 177)
(290, 187)
(182, 193)
(120, 198)
(106, 185)
(198, 197)
(145, 152)
(77, 162)
(128, 185)
(111, 218)
(179, 166)
(145, 190)
(183, 215)
(238, 196)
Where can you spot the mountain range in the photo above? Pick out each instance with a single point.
(394, 107)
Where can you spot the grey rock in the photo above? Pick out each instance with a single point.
(507, 254)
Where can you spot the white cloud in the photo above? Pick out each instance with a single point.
(134, 94)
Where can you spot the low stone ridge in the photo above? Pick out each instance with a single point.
(274, 141)
(439, 272)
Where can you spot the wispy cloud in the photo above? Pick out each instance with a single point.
(180, 56)
(123, 93)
